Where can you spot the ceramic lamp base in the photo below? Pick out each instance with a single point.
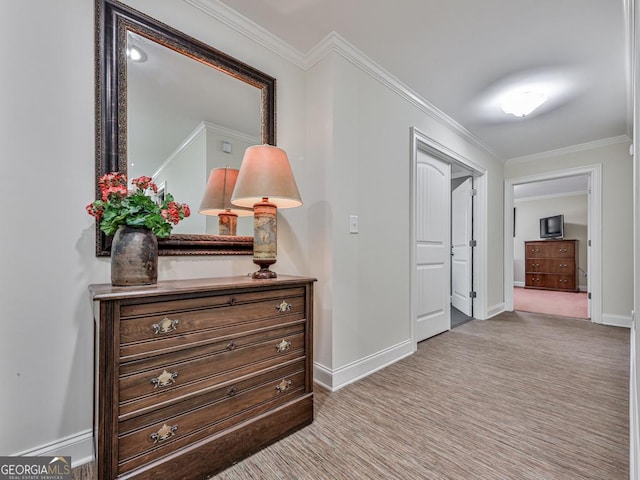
(264, 238)
(264, 272)
(227, 223)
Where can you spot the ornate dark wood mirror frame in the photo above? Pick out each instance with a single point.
(113, 21)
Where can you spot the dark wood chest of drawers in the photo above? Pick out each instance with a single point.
(551, 264)
(194, 375)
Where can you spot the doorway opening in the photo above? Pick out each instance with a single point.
(548, 279)
(432, 285)
(463, 245)
(587, 239)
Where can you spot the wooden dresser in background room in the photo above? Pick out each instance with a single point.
(551, 264)
(194, 375)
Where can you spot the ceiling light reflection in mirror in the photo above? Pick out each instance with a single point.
(180, 112)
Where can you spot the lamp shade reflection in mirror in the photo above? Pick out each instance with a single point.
(216, 200)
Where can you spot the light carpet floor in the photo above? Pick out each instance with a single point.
(564, 304)
(518, 397)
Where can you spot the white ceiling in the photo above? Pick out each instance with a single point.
(456, 54)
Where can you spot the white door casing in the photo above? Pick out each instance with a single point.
(594, 253)
(433, 207)
(461, 249)
(420, 142)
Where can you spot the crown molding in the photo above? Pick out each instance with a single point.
(202, 128)
(332, 43)
(250, 29)
(572, 149)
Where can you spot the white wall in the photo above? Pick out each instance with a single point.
(617, 218)
(181, 175)
(347, 134)
(528, 215)
(48, 242)
(365, 146)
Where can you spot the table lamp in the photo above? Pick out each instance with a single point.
(265, 182)
(217, 200)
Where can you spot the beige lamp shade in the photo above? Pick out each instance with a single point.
(266, 173)
(217, 194)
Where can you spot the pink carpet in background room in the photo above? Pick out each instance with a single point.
(563, 304)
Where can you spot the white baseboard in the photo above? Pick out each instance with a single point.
(78, 446)
(336, 379)
(518, 284)
(494, 310)
(616, 320)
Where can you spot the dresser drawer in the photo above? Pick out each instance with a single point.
(138, 350)
(563, 282)
(551, 265)
(177, 324)
(162, 432)
(152, 307)
(550, 281)
(562, 266)
(166, 372)
(550, 248)
(145, 404)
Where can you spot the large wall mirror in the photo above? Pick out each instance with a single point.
(173, 108)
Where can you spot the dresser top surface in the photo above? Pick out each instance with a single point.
(551, 242)
(105, 291)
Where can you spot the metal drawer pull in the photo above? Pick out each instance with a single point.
(165, 433)
(283, 306)
(232, 391)
(283, 346)
(164, 379)
(231, 345)
(165, 326)
(232, 300)
(283, 386)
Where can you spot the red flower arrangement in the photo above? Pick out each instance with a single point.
(119, 206)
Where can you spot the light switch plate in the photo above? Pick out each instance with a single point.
(353, 224)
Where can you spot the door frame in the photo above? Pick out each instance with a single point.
(421, 141)
(594, 232)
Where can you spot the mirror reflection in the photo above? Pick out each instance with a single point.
(173, 108)
(185, 119)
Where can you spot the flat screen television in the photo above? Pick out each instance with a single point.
(552, 227)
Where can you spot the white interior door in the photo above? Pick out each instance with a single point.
(433, 265)
(461, 250)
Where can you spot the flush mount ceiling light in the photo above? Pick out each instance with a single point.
(523, 103)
